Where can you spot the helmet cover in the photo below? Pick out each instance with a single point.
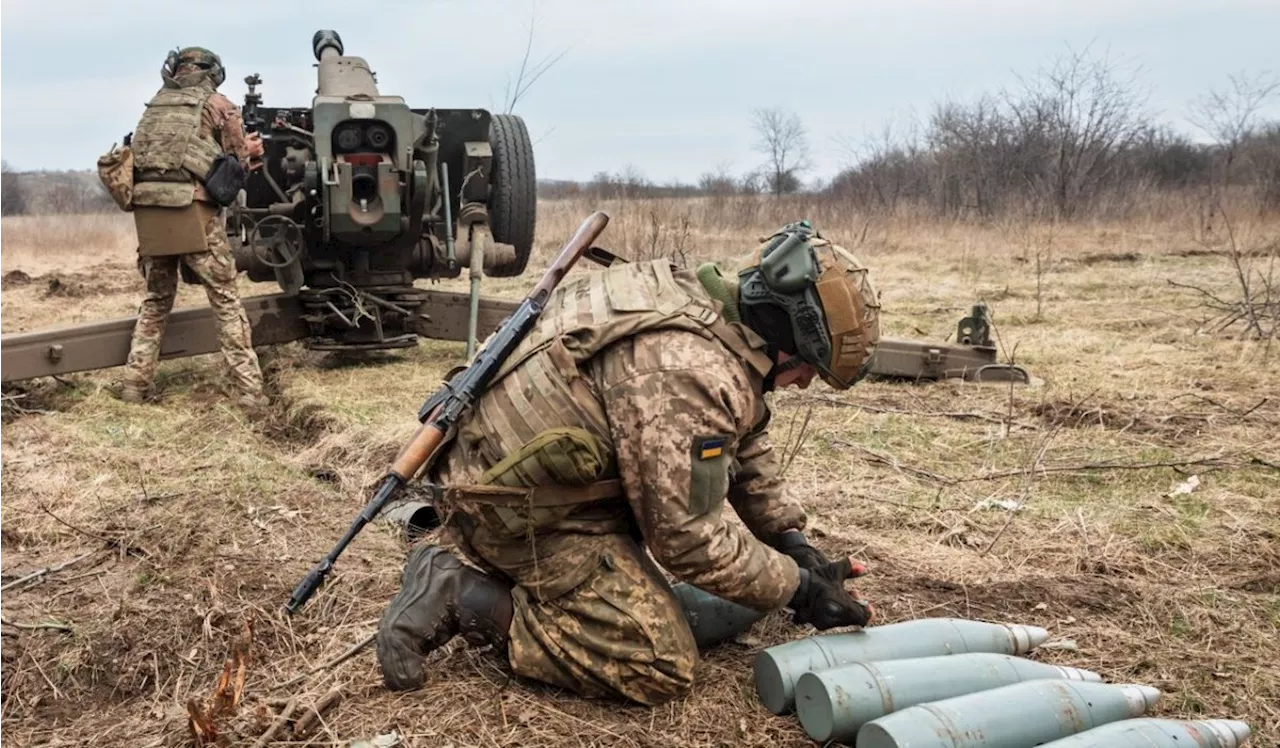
(824, 292)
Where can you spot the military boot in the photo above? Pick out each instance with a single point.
(439, 598)
(130, 391)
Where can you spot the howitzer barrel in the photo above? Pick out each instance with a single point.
(326, 43)
(338, 75)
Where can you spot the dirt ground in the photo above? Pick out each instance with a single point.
(1128, 501)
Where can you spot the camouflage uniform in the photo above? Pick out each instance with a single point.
(221, 126)
(645, 411)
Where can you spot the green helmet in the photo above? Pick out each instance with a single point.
(813, 300)
(195, 57)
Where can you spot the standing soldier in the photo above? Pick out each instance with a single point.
(617, 429)
(183, 135)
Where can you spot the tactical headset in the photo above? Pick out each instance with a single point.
(198, 56)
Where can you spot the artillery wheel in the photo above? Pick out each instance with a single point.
(513, 200)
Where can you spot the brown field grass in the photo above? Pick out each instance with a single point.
(198, 522)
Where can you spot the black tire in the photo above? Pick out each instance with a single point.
(513, 190)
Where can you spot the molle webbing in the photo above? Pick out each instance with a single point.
(611, 304)
(167, 139)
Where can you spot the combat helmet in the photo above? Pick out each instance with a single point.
(812, 299)
(199, 57)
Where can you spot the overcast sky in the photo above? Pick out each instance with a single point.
(665, 85)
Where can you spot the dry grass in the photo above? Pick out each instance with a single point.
(200, 522)
(53, 243)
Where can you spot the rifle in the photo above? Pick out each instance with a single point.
(442, 411)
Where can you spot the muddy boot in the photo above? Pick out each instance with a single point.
(439, 598)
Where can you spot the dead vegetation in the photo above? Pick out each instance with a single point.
(1127, 502)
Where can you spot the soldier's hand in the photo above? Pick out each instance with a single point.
(794, 544)
(822, 600)
(256, 148)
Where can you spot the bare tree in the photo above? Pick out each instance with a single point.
(13, 194)
(785, 144)
(1230, 116)
(1087, 113)
(529, 74)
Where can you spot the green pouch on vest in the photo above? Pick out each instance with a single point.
(571, 456)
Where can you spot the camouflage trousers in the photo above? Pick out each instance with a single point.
(621, 632)
(216, 269)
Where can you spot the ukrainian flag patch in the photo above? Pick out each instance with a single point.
(711, 459)
(711, 447)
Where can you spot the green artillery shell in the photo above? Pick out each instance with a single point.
(1016, 716)
(713, 619)
(778, 668)
(1160, 733)
(834, 703)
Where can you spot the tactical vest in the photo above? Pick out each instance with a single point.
(541, 428)
(169, 154)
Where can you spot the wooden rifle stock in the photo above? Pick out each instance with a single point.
(442, 410)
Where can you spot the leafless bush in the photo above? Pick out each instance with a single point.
(1072, 140)
(1244, 151)
(1229, 115)
(893, 169)
(669, 239)
(1256, 308)
(13, 195)
(1035, 238)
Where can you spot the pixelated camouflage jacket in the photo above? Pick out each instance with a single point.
(632, 375)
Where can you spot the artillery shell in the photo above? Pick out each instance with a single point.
(1160, 733)
(778, 668)
(1015, 716)
(834, 703)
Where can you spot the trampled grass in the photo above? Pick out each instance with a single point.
(1129, 500)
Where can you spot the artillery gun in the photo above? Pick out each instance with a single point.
(359, 195)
